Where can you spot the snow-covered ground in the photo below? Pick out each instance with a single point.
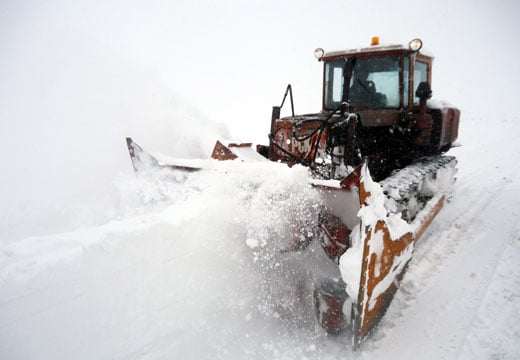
(177, 274)
(96, 263)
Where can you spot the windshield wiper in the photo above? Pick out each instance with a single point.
(347, 75)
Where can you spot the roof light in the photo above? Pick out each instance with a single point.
(375, 41)
(415, 44)
(318, 53)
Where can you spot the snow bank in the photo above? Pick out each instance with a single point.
(265, 206)
(202, 255)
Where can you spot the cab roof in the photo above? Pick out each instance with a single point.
(371, 50)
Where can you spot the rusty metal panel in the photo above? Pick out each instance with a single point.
(380, 117)
(221, 152)
(385, 260)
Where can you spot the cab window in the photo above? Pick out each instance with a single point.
(374, 82)
(333, 83)
(420, 74)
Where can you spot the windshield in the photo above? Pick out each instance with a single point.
(373, 82)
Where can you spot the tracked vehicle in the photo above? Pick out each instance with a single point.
(375, 152)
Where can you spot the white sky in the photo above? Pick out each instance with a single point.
(225, 56)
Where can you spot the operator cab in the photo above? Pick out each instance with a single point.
(387, 87)
(378, 77)
(374, 107)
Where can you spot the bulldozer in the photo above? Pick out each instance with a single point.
(376, 154)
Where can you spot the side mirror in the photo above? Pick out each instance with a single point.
(424, 91)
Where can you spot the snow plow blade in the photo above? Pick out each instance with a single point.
(144, 161)
(384, 264)
(385, 259)
(382, 243)
(242, 151)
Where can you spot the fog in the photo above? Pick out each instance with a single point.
(77, 77)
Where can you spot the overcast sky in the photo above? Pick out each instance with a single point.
(227, 57)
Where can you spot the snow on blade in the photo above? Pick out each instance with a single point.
(370, 213)
(350, 264)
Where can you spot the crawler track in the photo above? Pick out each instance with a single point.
(409, 189)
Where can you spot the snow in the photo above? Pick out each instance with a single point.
(371, 212)
(439, 104)
(98, 263)
(400, 262)
(247, 153)
(350, 264)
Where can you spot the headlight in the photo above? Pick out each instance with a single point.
(318, 53)
(415, 44)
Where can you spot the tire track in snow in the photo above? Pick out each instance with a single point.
(490, 250)
(505, 280)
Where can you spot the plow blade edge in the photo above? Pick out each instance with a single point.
(386, 241)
